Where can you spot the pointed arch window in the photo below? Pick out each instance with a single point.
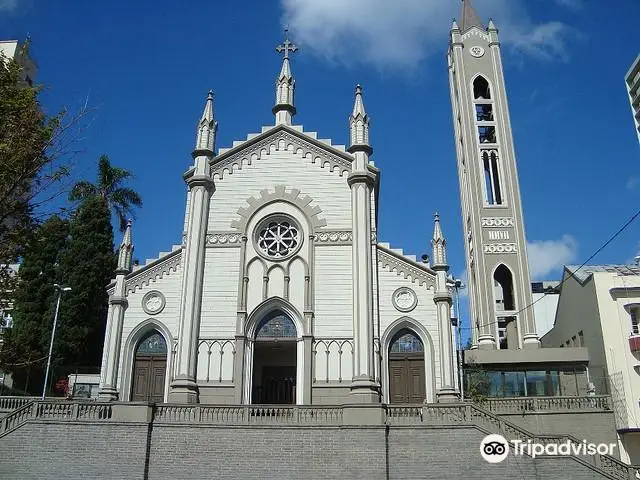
(406, 341)
(503, 289)
(481, 89)
(153, 343)
(276, 325)
(483, 107)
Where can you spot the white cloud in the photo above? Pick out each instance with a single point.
(399, 34)
(547, 256)
(8, 5)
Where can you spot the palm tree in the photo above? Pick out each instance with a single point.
(121, 200)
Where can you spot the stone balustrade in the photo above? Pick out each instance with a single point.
(547, 404)
(8, 404)
(248, 414)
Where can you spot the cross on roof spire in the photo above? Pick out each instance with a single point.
(287, 46)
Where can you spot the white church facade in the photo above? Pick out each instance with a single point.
(280, 291)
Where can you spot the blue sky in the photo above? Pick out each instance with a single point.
(146, 68)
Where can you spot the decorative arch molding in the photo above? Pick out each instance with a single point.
(298, 258)
(414, 326)
(280, 194)
(129, 352)
(257, 148)
(475, 32)
(269, 305)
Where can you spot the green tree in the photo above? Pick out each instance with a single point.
(109, 187)
(35, 159)
(26, 345)
(87, 266)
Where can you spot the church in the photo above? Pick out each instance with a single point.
(281, 291)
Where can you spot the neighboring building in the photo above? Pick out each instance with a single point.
(599, 308)
(545, 304)
(83, 385)
(632, 82)
(17, 51)
(504, 334)
(280, 291)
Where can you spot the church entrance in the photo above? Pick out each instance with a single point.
(406, 369)
(274, 361)
(149, 369)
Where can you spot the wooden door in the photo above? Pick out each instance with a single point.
(406, 378)
(148, 378)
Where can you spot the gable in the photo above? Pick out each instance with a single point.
(282, 157)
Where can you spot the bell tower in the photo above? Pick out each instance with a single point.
(495, 242)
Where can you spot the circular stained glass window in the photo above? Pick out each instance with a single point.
(278, 238)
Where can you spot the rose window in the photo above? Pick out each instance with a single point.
(278, 238)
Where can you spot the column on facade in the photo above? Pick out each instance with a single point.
(442, 299)
(115, 320)
(184, 388)
(363, 388)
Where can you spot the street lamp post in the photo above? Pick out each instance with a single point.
(60, 289)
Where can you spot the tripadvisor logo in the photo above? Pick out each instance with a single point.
(495, 448)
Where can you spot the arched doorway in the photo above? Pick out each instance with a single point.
(406, 368)
(149, 368)
(274, 360)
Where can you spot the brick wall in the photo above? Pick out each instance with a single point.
(45, 450)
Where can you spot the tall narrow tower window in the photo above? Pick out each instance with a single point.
(503, 288)
(491, 178)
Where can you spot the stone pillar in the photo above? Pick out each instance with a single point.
(112, 343)
(238, 369)
(442, 298)
(363, 388)
(448, 391)
(308, 370)
(184, 388)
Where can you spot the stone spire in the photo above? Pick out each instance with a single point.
(207, 128)
(359, 125)
(438, 244)
(469, 17)
(284, 109)
(126, 251)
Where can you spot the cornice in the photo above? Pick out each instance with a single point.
(153, 271)
(403, 266)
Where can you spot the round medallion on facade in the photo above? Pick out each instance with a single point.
(476, 51)
(404, 299)
(278, 237)
(153, 302)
